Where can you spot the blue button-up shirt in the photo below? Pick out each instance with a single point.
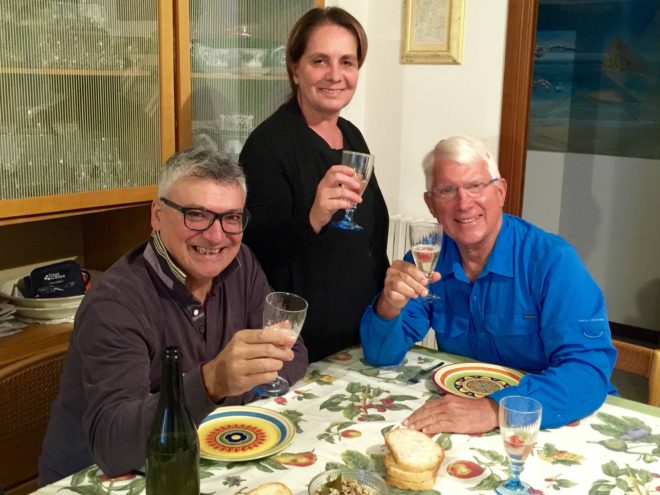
(533, 307)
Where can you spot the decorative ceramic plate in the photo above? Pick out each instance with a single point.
(244, 433)
(474, 380)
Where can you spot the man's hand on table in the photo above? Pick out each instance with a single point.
(453, 414)
(251, 358)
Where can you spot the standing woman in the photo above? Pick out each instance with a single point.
(296, 188)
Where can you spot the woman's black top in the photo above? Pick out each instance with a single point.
(338, 272)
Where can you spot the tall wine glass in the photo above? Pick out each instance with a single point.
(425, 244)
(363, 164)
(282, 311)
(520, 420)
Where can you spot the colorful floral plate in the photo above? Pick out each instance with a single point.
(243, 433)
(474, 380)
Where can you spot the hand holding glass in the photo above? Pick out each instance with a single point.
(520, 420)
(363, 164)
(282, 311)
(425, 244)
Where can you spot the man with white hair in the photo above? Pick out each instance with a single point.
(193, 285)
(507, 292)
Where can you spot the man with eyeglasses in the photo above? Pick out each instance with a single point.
(193, 285)
(510, 294)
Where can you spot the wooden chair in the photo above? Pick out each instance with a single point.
(642, 361)
(27, 389)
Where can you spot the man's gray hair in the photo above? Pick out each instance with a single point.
(466, 150)
(202, 163)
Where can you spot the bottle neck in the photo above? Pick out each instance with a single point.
(171, 386)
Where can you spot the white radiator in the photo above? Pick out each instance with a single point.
(398, 244)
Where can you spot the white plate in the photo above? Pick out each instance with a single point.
(6, 310)
(8, 291)
(47, 313)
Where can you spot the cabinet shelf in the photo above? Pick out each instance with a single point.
(75, 72)
(240, 76)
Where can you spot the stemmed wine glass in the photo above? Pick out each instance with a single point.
(363, 164)
(520, 420)
(425, 244)
(282, 311)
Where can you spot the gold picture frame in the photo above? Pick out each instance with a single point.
(432, 31)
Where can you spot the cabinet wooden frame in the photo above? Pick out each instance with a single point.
(46, 207)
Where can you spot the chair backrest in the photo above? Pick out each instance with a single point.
(642, 361)
(27, 391)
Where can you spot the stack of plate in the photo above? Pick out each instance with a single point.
(41, 310)
(6, 311)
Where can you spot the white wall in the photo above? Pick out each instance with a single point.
(608, 207)
(403, 110)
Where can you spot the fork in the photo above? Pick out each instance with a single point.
(418, 376)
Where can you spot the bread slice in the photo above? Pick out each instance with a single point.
(273, 488)
(409, 485)
(413, 450)
(401, 474)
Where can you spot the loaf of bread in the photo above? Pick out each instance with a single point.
(273, 488)
(413, 460)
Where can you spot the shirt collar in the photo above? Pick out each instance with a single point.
(170, 273)
(500, 260)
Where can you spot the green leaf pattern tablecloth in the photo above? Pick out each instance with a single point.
(342, 407)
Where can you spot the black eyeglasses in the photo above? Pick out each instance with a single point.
(472, 189)
(200, 219)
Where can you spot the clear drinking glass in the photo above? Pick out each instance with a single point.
(282, 311)
(520, 420)
(363, 164)
(425, 245)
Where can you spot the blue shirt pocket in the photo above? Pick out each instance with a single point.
(515, 340)
(451, 331)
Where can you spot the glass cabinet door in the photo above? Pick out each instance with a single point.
(80, 105)
(237, 71)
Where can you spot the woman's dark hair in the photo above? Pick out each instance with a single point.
(311, 20)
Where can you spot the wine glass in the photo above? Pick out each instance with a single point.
(425, 244)
(520, 420)
(363, 164)
(282, 311)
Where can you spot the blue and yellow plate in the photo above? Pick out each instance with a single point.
(243, 433)
(474, 380)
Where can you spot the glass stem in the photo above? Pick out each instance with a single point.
(515, 468)
(348, 216)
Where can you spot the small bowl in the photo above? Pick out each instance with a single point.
(364, 478)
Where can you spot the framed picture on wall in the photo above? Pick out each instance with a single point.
(432, 31)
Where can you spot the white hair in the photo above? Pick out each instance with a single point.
(202, 163)
(465, 150)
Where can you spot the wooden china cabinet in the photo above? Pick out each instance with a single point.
(96, 94)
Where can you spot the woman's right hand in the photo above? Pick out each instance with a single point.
(339, 189)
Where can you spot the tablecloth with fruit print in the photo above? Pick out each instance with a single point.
(342, 407)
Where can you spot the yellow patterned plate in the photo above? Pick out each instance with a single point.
(474, 380)
(243, 433)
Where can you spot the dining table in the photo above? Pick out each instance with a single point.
(342, 406)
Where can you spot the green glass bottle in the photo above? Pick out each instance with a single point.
(172, 464)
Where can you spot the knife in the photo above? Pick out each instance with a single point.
(418, 376)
